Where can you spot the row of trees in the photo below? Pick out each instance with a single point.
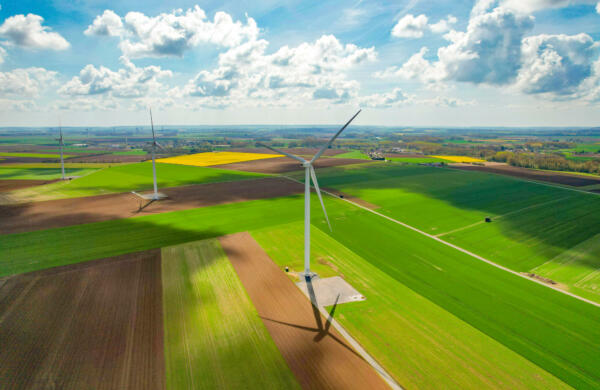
(546, 161)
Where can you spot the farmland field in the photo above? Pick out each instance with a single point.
(532, 223)
(459, 159)
(216, 158)
(556, 332)
(95, 325)
(213, 335)
(132, 177)
(33, 155)
(415, 160)
(12, 173)
(441, 349)
(353, 154)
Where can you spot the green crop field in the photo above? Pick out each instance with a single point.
(12, 173)
(57, 165)
(556, 332)
(353, 154)
(132, 177)
(532, 223)
(24, 252)
(442, 349)
(213, 335)
(33, 155)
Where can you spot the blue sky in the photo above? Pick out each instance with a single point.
(406, 63)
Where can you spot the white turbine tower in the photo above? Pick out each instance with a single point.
(309, 173)
(155, 195)
(60, 143)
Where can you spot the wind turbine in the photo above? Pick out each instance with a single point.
(60, 143)
(156, 195)
(309, 173)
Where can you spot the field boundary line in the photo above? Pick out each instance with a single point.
(361, 351)
(461, 249)
(503, 215)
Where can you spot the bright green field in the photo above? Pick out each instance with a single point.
(556, 332)
(33, 155)
(213, 335)
(133, 177)
(353, 154)
(419, 343)
(10, 173)
(532, 223)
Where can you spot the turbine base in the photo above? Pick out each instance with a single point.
(308, 275)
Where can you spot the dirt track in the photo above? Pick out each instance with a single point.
(317, 355)
(9, 185)
(65, 212)
(286, 164)
(96, 325)
(525, 173)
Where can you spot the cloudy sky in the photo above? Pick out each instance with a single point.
(406, 63)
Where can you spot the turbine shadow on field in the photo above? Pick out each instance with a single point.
(321, 330)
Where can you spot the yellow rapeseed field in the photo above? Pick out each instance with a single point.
(459, 159)
(215, 158)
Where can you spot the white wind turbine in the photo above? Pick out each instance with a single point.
(309, 173)
(60, 143)
(155, 195)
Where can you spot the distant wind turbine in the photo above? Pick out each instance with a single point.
(309, 173)
(60, 143)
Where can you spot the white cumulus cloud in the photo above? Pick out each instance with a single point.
(27, 31)
(172, 34)
(128, 82)
(26, 81)
(410, 26)
(246, 73)
(108, 24)
(556, 63)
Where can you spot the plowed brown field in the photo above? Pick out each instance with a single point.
(318, 356)
(96, 325)
(65, 212)
(9, 185)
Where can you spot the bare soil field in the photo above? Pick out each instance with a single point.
(108, 158)
(318, 355)
(10, 185)
(96, 325)
(295, 151)
(65, 212)
(285, 164)
(525, 173)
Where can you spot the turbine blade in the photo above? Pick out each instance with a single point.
(313, 175)
(284, 153)
(152, 125)
(159, 145)
(320, 152)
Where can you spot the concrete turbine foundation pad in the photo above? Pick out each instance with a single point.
(150, 196)
(327, 291)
